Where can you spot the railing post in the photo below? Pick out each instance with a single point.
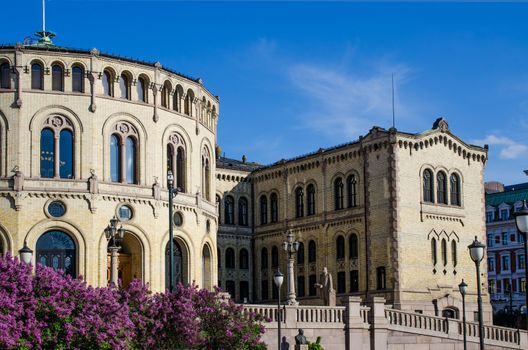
(379, 326)
(523, 339)
(452, 328)
(355, 329)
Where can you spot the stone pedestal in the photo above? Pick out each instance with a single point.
(301, 347)
(332, 298)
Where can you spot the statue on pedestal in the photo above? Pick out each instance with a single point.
(300, 339)
(327, 288)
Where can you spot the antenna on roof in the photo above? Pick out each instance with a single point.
(44, 35)
(393, 119)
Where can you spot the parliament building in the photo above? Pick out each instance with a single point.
(86, 136)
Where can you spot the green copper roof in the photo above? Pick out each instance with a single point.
(506, 197)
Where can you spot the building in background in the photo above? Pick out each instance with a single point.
(506, 260)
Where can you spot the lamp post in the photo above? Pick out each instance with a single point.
(114, 236)
(278, 278)
(172, 193)
(476, 252)
(290, 246)
(521, 221)
(462, 287)
(26, 254)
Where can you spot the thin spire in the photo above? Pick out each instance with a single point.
(43, 16)
(393, 119)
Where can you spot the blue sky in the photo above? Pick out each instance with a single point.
(296, 76)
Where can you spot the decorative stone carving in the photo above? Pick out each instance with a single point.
(156, 189)
(92, 182)
(18, 179)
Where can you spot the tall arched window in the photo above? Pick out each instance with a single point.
(243, 259)
(108, 83)
(229, 214)
(189, 100)
(428, 186)
(455, 190)
(206, 173)
(444, 252)
(340, 247)
(230, 258)
(353, 246)
(57, 78)
(124, 153)
(263, 209)
(433, 251)
(274, 257)
(300, 253)
(454, 252)
(299, 202)
(77, 79)
(5, 76)
(165, 94)
(124, 86)
(176, 160)
(176, 105)
(178, 259)
(264, 259)
(243, 211)
(312, 252)
(37, 76)
(56, 148)
(56, 249)
(274, 206)
(141, 89)
(311, 199)
(441, 187)
(352, 191)
(338, 193)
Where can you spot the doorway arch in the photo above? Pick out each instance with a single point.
(207, 268)
(181, 262)
(130, 260)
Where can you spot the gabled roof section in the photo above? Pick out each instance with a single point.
(234, 164)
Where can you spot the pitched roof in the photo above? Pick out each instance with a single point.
(511, 194)
(228, 163)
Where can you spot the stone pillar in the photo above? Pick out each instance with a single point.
(355, 329)
(291, 281)
(379, 324)
(113, 265)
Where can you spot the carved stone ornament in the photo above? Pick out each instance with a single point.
(441, 124)
(94, 52)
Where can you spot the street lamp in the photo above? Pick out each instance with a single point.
(26, 254)
(521, 221)
(476, 252)
(278, 278)
(114, 236)
(172, 193)
(290, 246)
(462, 287)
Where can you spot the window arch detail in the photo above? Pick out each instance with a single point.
(206, 174)
(455, 190)
(5, 75)
(57, 148)
(124, 147)
(428, 186)
(441, 187)
(299, 202)
(177, 160)
(274, 206)
(338, 193)
(37, 76)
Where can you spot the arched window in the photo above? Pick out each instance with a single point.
(454, 252)
(274, 257)
(230, 258)
(108, 83)
(428, 186)
(124, 153)
(381, 282)
(77, 79)
(433, 251)
(311, 199)
(57, 78)
(243, 259)
(176, 161)
(206, 174)
(165, 94)
(352, 191)
(176, 105)
(56, 148)
(243, 211)
(455, 190)
(299, 202)
(338, 193)
(229, 210)
(263, 209)
(5, 76)
(441, 187)
(124, 86)
(141, 89)
(444, 252)
(274, 204)
(300, 253)
(189, 100)
(56, 249)
(37, 77)
(178, 260)
(340, 247)
(353, 246)
(264, 259)
(312, 252)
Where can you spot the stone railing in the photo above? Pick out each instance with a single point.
(402, 319)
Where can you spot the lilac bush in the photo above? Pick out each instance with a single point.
(50, 310)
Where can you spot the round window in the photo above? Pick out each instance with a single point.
(178, 219)
(56, 209)
(124, 213)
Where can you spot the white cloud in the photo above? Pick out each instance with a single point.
(510, 149)
(345, 103)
